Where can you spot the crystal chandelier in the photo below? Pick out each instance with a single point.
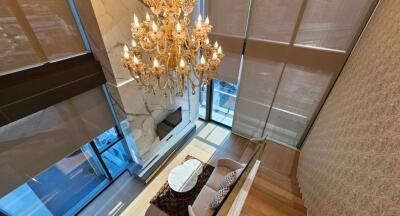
(165, 51)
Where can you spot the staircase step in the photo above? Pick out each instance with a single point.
(280, 194)
(286, 183)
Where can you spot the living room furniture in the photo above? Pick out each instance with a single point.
(200, 206)
(224, 166)
(184, 177)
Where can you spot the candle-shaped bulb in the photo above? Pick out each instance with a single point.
(207, 21)
(198, 24)
(182, 63)
(219, 50)
(207, 41)
(126, 55)
(135, 21)
(126, 52)
(126, 49)
(154, 27)
(135, 60)
(216, 45)
(199, 18)
(202, 60)
(155, 63)
(133, 43)
(214, 56)
(178, 27)
(147, 16)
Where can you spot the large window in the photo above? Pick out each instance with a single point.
(66, 186)
(222, 107)
(223, 102)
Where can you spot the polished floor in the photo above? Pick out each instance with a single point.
(275, 190)
(128, 196)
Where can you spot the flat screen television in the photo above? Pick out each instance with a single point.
(169, 123)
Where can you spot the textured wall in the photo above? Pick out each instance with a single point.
(350, 162)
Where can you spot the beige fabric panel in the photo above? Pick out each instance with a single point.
(349, 164)
(311, 57)
(232, 46)
(32, 144)
(228, 17)
(229, 20)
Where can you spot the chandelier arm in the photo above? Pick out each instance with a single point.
(193, 82)
(143, 82)
(196, 75)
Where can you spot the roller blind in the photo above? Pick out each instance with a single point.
(32, 144)
(229, 18)
(294, 51)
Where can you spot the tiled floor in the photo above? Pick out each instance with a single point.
(128, 196)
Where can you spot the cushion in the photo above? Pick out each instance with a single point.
(219, 197)
(229, 179)
(200, 206)
(217, 177)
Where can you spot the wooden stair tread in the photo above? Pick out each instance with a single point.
(280, 180)
(279, 194)
(275, 189)
(259, 203)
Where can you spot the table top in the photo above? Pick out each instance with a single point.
(184, 177)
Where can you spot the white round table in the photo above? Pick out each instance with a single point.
(184, 177)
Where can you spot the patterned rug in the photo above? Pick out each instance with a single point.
(174, 203)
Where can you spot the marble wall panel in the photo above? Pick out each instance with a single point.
(107, 23)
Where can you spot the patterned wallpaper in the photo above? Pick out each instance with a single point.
(350, 162)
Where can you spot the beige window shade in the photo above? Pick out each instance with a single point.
(30, 145)
(15, 49)
(299, 94)
(229, 20)
(259, 80)
(228, 17)
(36, 31)
(306, 64)
(274, 19)
(332, 24)
(233, 46)
(54, 26)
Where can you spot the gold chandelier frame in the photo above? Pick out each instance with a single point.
(166, 50)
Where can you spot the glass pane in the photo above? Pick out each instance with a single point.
(115, 159)
(106, 138)
(331, 24)
(15, 48)
(62, 189)
(202, 102)
(274, 19)
(223, 104)
(54, 26)
(299, 94)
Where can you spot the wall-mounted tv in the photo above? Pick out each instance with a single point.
(169, 123)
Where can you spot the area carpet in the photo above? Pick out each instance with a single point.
(173, 203)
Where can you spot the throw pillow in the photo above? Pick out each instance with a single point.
(228, 180)
(219, 197)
